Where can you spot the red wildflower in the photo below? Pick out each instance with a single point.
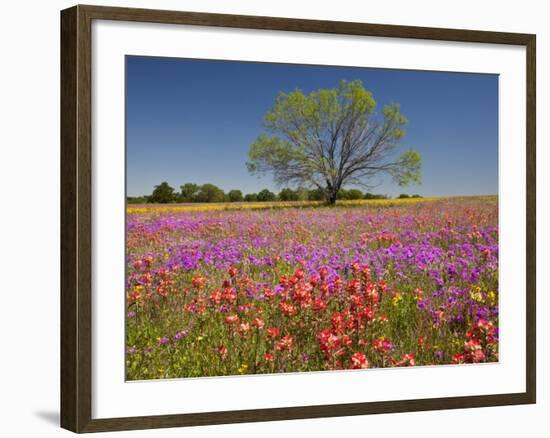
(473, 351)
(232, 319)
(287, 308)
(359, 361)
(244, 327)
(258, 323)
(328, 341)
(199, 281)
(273, 332)
(319, 305)
(216, 296)
(268, 294)
(353, 286)
(407, 360)
(285, 343)
(230, 296)
(222, 351)
(337, 321)
(232, 271)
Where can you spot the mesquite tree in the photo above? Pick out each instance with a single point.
(332, 138)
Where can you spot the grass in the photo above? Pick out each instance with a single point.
(225, 289)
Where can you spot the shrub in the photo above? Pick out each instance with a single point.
(288, 195)
(353, 194)
(235, 196)
(266, 196)
(375, 196)
(210, 193)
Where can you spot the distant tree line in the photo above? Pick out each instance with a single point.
(404, 196)
(206, 193)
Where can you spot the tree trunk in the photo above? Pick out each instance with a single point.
(331, 192)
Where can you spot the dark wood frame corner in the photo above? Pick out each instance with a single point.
(76, 239)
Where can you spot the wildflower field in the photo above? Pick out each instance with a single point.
(215, 290)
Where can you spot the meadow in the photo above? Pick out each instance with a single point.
(223, 289)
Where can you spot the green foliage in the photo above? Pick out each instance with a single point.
(395, 120)
(342, 194)
(163, 193)
(266, 196)
(188, 192)
(316, 195)
(235, 196)
(351, 194)
(403, 196)
(206, 193)
(302, 193)
(251, 197)
(408, 170)
(375, 196)
(210, 193)
(137, 199)
(330, 138)
(288, 195)
(354, 194)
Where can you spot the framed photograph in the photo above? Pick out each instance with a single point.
(270, 218)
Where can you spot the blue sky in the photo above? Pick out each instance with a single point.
(194, 120)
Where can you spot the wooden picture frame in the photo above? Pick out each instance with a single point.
(76, 218)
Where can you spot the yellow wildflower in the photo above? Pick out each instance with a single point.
(397, 298)
(476, 295)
